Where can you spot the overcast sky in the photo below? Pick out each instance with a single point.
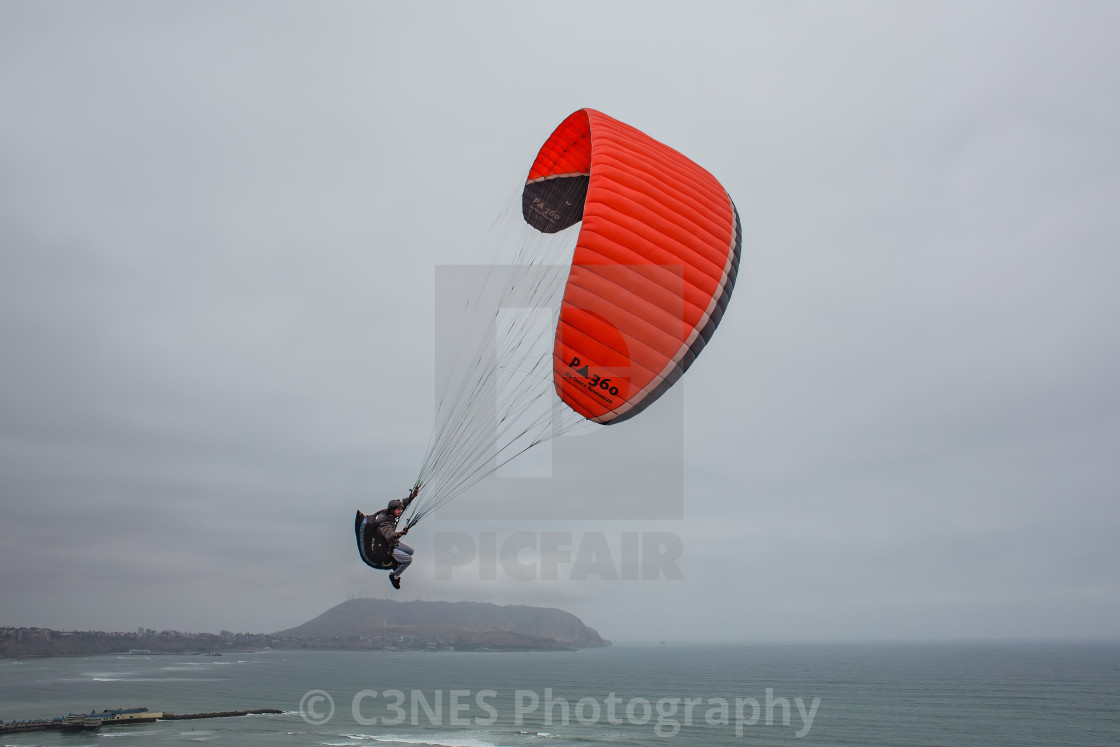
(221, 226)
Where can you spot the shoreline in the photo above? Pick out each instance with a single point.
(15, 659)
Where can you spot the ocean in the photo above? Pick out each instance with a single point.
(902, 695)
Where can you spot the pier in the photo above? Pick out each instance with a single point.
(108, 719)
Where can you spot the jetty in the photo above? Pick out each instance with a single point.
(93, 721)
(217, 714)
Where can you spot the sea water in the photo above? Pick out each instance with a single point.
(904, 695)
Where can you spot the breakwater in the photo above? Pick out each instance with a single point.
(218, 714)
(78, 723)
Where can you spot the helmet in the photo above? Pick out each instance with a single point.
(396, 503)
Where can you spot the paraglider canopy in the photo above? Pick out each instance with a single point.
(653, 268)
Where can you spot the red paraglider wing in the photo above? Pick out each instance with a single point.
(654, 264)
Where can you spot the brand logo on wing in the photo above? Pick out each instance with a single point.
(545, 210)
(597, 385)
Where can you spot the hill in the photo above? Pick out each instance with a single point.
(478, 624)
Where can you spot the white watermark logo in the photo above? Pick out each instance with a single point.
(491, 355)
(553, 556)
(316, 707)
(472, 708)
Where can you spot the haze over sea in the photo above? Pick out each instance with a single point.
(904, 695)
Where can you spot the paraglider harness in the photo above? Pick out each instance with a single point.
(374, 549)
(376, 552)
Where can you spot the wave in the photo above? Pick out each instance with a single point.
(158, 679)
(133, 732)
(196, 736)
(434, 740)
